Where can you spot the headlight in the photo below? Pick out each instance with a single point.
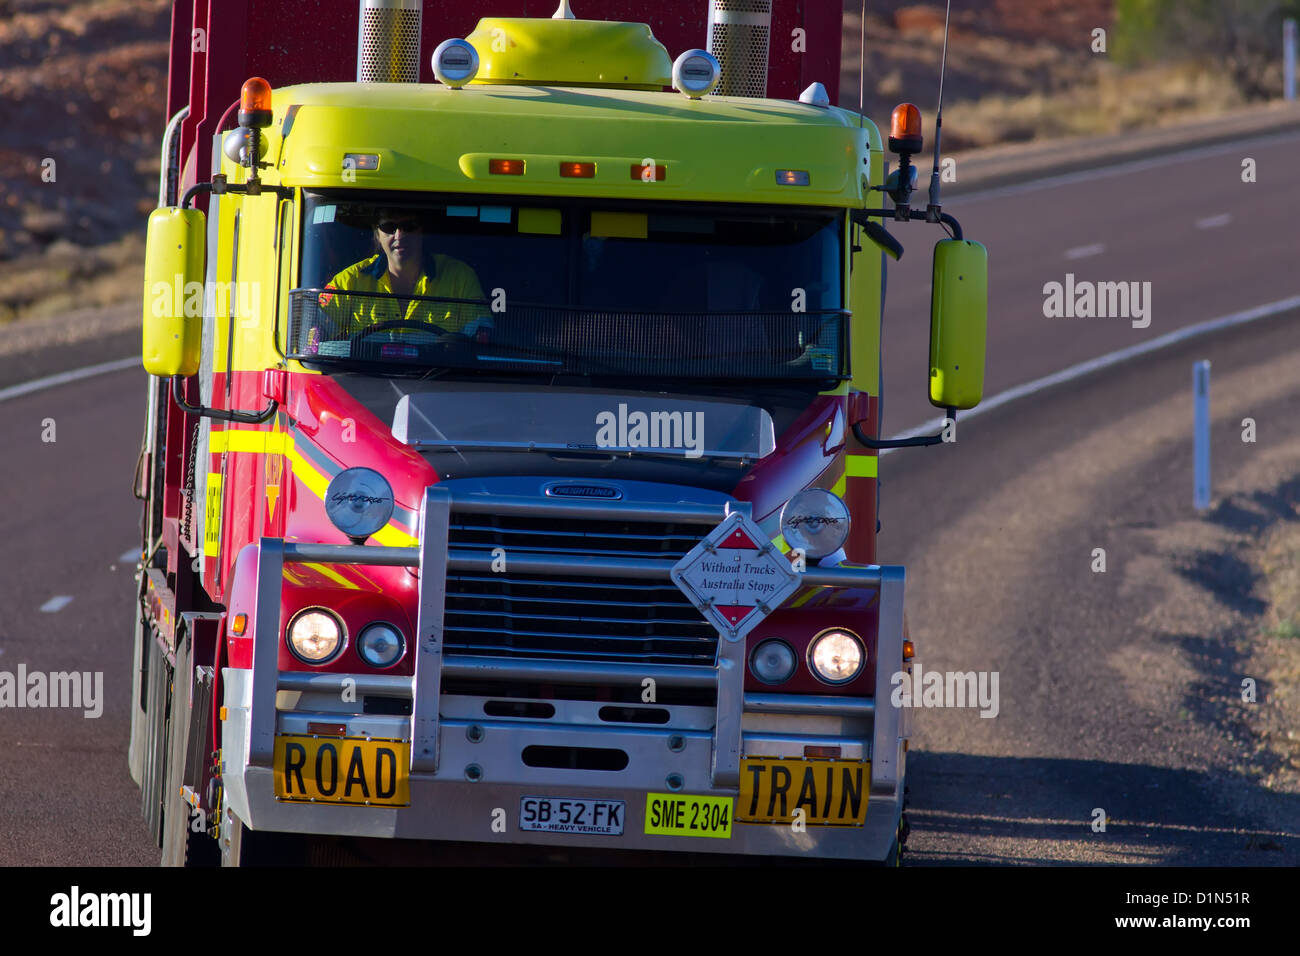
(380, 645)
(773, 662)
(816, 521)
(316, 636)
(836, 656)
(359, 501)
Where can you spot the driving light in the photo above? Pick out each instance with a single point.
(773, 662)
(816, 521)
(359, 501)
(237, 145)
(316, 636)
(455, 63)
(696, 73)
(380, 645)
(836, 656)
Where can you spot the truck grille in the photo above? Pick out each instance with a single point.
(573, 618)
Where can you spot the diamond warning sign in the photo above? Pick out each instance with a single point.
(735, 576)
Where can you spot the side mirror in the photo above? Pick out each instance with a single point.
(959, 308)
(173, 291)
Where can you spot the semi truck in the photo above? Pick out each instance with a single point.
(511, 441)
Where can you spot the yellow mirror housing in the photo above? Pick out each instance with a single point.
(173, 291)
(959, 307)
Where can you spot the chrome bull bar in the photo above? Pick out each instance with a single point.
(433, 559)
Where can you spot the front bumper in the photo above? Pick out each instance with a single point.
(466, 767)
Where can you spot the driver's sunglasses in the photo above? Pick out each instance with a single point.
(390, 226)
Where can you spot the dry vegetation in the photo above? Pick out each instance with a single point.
(1020, 70)
(1278, 649)
(1113, 101)
(83, 85)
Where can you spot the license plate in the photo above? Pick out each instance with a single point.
(829, 792)
(676, 814)
(572, 815)
(343, 770)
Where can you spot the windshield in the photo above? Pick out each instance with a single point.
(399, 285)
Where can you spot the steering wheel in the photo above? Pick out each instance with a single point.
(397, 324)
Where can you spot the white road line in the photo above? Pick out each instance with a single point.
(1083, 252)
(1120, 169)
(1106, 361)
(129, 557)
(50, 381)
(1214, 222)
(57, 603)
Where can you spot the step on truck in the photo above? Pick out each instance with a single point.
(510, 464)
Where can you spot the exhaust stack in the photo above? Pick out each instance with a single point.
(739, 32)
(388, 41)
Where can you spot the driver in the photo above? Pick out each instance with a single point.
(403, 267)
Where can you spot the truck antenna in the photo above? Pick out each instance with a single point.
(932, 210)
(862, 62)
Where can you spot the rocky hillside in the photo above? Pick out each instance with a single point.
(997, 49)
(82, 95)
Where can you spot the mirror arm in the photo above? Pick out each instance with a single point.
(859, 216)
(920, 441)
(194, 191)
(219, 187)
(222, 414)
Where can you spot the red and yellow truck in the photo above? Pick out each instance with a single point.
(511, 448)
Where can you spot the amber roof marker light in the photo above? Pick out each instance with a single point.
(244, 144)
(905, 129)
(255, 103)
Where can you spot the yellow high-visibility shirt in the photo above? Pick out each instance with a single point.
(448, 278)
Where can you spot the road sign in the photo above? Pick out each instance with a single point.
(735, 576)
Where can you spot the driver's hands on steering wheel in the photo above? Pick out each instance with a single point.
(427, 334)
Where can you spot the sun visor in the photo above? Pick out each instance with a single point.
(628, 423)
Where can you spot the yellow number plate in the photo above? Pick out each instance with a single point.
(682, 814)
(343, 770)
(827, 791)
